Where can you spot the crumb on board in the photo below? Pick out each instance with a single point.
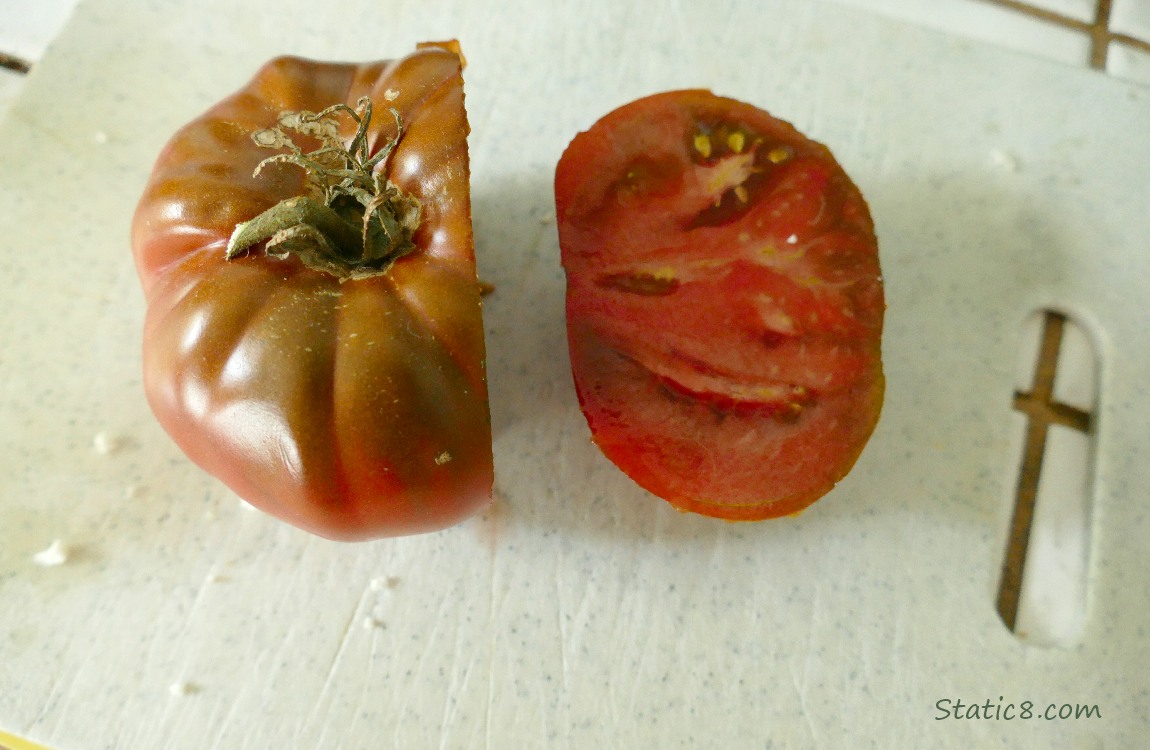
(383, 582)
(104, 443)
(1004, 160)
(182, 688)
(55, 554)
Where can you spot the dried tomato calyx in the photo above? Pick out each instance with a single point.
(353, 222)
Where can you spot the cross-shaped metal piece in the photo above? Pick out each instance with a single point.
(1042, 411)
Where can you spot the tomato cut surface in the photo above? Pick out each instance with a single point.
(354, 407)
(724, 304)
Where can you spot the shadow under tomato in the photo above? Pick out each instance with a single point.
(964, 260)
(517, 253)
(548, 473)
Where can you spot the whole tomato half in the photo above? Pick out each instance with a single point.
(724, 304)
(313, 334)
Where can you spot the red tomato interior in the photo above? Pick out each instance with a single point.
(724, 304)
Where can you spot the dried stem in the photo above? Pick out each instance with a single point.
(353, 222)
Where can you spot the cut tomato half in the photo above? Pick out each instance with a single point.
(724, 304)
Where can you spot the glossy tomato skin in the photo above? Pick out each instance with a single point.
(354, 410)
(724, 304)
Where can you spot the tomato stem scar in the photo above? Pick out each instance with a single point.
(353, 222)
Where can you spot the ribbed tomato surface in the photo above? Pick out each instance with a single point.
(351, 408)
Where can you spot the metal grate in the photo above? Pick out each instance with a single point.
(1042, 412)
(1098, 30)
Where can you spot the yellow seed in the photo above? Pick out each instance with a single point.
(779, 154)
(703, 145)
(741, 193)
(736, 141)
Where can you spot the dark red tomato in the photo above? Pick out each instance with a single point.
(724, 304)
(331, 372)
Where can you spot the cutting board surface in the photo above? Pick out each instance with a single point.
(579, 611)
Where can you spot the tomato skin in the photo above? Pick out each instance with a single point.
(354, 410)
(724, 304)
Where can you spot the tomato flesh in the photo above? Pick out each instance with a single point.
(724, 304)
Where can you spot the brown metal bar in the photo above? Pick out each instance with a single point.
(1044, 15)
(13, 63)
(1101, 36)
(1052, 413)
(1131, 41)
(1042, 411)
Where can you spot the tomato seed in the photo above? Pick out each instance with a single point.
(779, 154)
(703, 145)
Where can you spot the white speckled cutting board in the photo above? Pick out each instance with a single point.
(579, 612)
